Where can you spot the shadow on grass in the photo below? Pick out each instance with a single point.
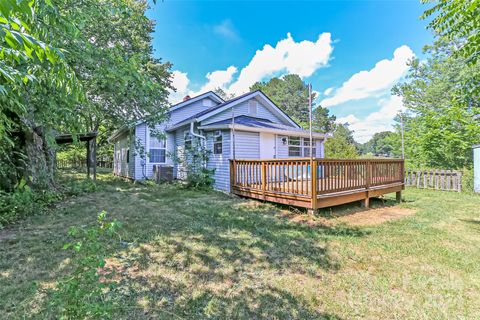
(192, 254)
(475, 224)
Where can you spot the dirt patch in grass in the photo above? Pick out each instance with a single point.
(367, 217)
(373, 217)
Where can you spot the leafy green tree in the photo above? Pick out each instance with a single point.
(381, 144)
(457, 19)
(104, 76)
(440, 123)
(290, 93)
(322, 120)
(222, 94)
(33, 73)
(341, 145)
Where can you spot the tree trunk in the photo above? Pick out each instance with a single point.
(40, 159)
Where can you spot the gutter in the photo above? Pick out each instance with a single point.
(267, 130)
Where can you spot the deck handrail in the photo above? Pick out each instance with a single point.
(306, 179)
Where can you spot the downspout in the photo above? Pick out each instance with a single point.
(194, 134)
(198, 136)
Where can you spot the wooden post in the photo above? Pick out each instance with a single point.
(94, 157)
(459, 181)
(366, 201)
(399, 196)
(264, 178)
(313, 176)
(369, 175)
(232, 175)
(88, 159)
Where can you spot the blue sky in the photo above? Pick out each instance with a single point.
(351, 51)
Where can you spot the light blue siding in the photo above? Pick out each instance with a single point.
(220, 162)
(476, 168)
(243, 109)
(190, 110)
(247, 145)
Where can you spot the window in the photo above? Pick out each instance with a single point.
(217, 142)
(157, 149)
(128, 155)
(187, 137)
(300, 147)
(306, 147)
(252, 107)
(294, 147)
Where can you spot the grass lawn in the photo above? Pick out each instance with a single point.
(200, 255)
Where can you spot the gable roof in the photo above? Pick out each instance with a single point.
(204, 114)
(248, 123)
(209, 94)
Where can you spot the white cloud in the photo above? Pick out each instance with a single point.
(180, 82)
(302, 58)
(226, 29)
(375, 122)
(328, 91)
(219, 78)
(374, 81)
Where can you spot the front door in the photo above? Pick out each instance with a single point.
(267, 145)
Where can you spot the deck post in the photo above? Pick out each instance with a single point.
(264, 179)
(313, 174)
(398, 195)
(366, 202)
(232, 175)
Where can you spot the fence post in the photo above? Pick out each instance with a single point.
(368, 181)
(264, 178)
(459, 181)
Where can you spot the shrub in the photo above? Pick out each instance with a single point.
(86, 293)
(467, 180)
(24, 201)
(194, 159)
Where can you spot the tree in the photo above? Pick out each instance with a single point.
(341, 145)
(222, 94)
(103, 75)
(33, 72)
(322, 121)
(441, 101)
(381, 144)
(290, 93)
(457, 20)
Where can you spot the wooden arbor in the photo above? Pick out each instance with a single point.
(90, 140)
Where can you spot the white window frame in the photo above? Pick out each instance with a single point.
(185, 134)
(217, 134)
(156, 148)
(304, 146)
(299, 145)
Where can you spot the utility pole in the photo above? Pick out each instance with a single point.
(310, 118)
(403, 141)
(233, 133)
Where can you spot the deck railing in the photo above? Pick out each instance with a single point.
(297, 178)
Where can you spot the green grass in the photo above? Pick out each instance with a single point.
(197, 254)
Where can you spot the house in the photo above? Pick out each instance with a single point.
(250, 126)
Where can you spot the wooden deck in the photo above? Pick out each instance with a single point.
(316, 183)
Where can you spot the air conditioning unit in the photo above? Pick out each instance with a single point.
(162, 173)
